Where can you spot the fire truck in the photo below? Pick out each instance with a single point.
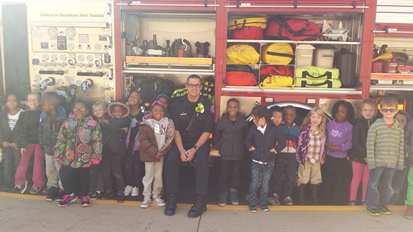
(96, 50)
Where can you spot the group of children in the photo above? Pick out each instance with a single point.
(83, 154)
(80, 153)
(285, 155)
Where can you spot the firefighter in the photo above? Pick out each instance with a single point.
(193, 117)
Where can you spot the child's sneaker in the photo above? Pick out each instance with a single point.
(67, 200)
(121, 197)
(159, 202)
(128, 190)
(409, 212)
(20, 188)
(60, 195)
(95, 195)
(373, 212)
(145, 203)
(52, 194)
(264, 208)
(34, 190)
(233, 196)
(84, 202)
(135, 192)
(106, 195)
(384, 210)
(352, 203)
(288, 201)
(253, 208)
(222, 199)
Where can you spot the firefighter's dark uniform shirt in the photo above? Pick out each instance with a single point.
(182, 111)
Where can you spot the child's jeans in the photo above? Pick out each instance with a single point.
(260, 177)
(134, 169)
(153, 174)
(361, 172)
(409, 196)
(75, 180)
(111, 164)
(397, 184)
(285, 166)
(230, 173)
(96, 178)
(11, 162)
(38, 170)
(383, 177)
(52, 172)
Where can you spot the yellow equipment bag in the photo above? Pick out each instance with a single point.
(242, 54)
(277, 53)
(277, 81)
(247, 22)
(315, 77)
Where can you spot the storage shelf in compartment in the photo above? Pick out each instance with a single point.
(293, 42)
(403, 87)
(296, 90)
(160, 70)
(392, 76)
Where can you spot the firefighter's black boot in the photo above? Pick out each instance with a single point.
(301, 192)
(314, 194)
(170, 205)
(198, 208)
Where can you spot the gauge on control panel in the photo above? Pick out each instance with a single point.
(63, 57)
(71, 62)
(70, 32)
(89, 58)
(38, 77)
(45, 57)
(98, 46)
(71, 46)
(52, 31)
(54, 57)
(80, 57)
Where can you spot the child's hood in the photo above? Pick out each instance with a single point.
(148, 120)
(121, 104)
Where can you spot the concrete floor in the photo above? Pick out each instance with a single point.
(32, 213)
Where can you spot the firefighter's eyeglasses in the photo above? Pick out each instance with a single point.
(385, 110)
(193, 86)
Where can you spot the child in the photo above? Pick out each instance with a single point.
(409, 150)
(231, 130)
(285, 162)
(261, 140)
(9, 131)
(358, 153)
(277, 115)
(96, 178)
(114, 129)
(339, 142)
(164, 99)
(385, 153)
(78, 147)
(134, 168)
(400, 176)
(155, 136)
(310, 152)
(29, 141)
(48, 130)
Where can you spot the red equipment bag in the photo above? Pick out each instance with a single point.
(292, 29)
(275, 70)
(237, 78)
(248, 32)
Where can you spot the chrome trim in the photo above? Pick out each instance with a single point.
(296, 90)
(292, 42)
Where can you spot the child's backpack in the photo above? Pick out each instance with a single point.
(292, 29)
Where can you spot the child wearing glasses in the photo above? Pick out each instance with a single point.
(114, 129)
(156, 134)
(29, 141)
(78, 147)
(385, 154)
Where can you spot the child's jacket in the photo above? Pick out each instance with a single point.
(79, 143)
(303, 143)
(232, 137)
(7, 135)
(30, 121)
(153, 133)
(263, 143)
(358, 152)
(48, 130)
(112, 132)
(385, 147)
